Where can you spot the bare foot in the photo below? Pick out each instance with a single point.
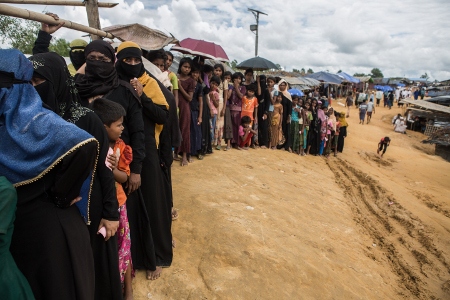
(153, 275)
(174, 214)
(184, 163)
(263, 147)
(174, 244)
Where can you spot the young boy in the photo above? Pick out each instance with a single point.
(362, 111)
(119, 161)
(370, 109)
(249, 108)
(295, 130)
(383, 144)
(249, 103)
(245, 133)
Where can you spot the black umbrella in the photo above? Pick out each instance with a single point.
(257, 64)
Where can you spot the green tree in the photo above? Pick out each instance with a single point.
(310, 71)
(21, 34)
(302, 71)
(60, 46)
(376, 73)
(360, 75)
(296, 70)
(234, 63)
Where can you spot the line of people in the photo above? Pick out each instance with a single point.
(89, 157)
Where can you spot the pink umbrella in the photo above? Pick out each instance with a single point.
(202, 48)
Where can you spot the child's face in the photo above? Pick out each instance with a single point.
(270, 83)
(214, 85)
(115, 129)
(169, 61)
(228, 78)
(238, 80)
(218, 72)
(246, 125)
(279, 98)
(250, 94)
(307, 105)
(186, 68)
(195, 75)
(295, 101)
(159, 63)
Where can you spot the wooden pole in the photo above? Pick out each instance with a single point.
(13, 11)
(93, 16)
(57, 2)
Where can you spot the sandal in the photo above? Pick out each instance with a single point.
(200, 157)
(218, 147)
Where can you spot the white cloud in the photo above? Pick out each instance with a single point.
(402, 38)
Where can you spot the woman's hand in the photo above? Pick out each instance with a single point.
(222, 112)
(133, 183)
(199, 120)
(137, 85)
(50, 28)
(75, 200)
(110, 226)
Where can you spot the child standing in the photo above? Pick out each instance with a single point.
(214, 99)
(362, 111)
(196, 115)
(249, 104)
(307, 118)
(245, 133)
(186, 86)
(222, 90)
(275, 124)
(383, 144)
(236, 92)
(112, 115)
(295, 130)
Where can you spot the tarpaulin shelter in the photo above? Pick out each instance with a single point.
(146, 38)
(348, 77)
(326, 77)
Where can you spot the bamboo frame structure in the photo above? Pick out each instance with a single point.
(58, 2)
(13, 11)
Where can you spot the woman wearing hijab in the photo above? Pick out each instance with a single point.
(50, 243)
(264, 100)
(314, 130)
(287, 110)
(156, 187)
(342, 132)
(57, 90)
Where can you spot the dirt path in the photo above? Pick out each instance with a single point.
(263, 224)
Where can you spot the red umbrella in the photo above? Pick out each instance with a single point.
(202, 48)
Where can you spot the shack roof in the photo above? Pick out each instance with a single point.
(428, 105)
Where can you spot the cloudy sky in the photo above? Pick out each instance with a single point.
(401, 38)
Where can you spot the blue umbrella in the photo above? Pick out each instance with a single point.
(296, 92)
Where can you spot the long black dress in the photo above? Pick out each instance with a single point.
(60, 254)
(341, 138)
(62, 97)
(206, 125)
(314, 134)
(263, 109)
(285, 126)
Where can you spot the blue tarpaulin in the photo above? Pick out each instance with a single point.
(296, 92)
(326, 77)
(383, 88)
(349, 77)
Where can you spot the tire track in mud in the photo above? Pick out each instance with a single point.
(403, 241)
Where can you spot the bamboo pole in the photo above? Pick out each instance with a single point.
(12, 11)
(57, 2)
(93, 16)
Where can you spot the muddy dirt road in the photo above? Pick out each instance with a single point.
(264, 224)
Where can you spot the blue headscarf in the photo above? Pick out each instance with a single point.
(32, 139)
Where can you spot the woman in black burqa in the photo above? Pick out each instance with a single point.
(58, 91)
